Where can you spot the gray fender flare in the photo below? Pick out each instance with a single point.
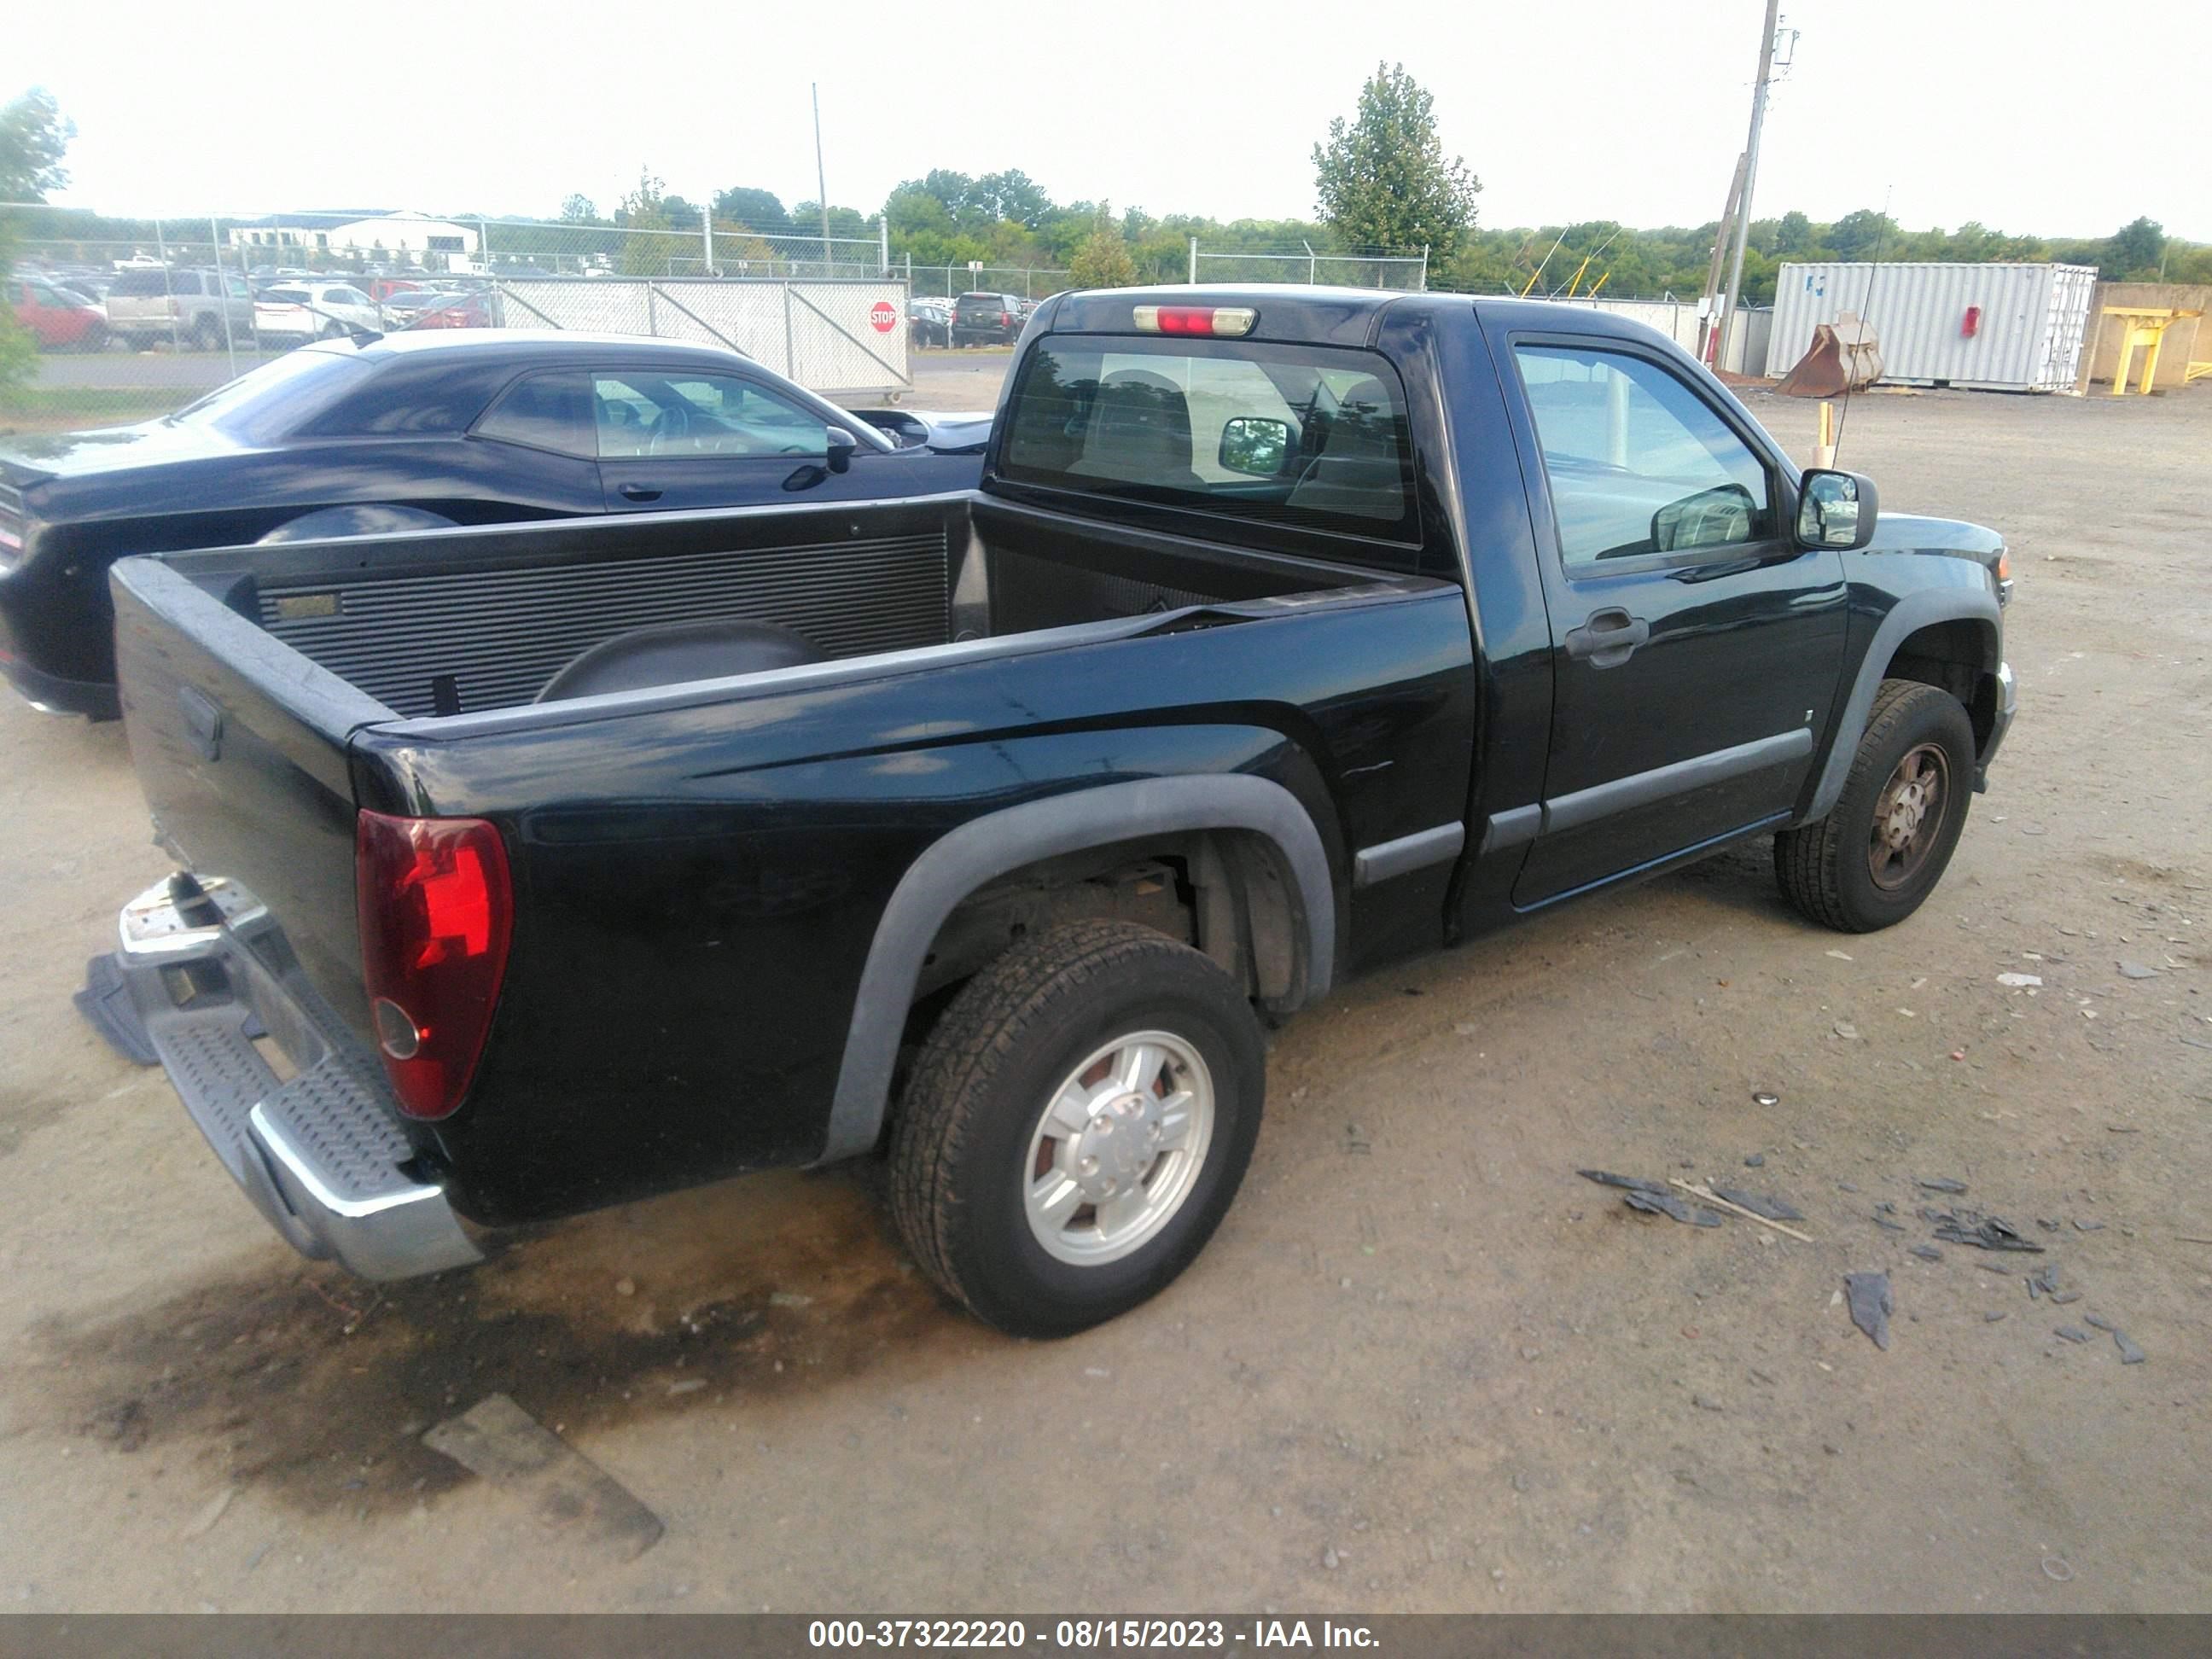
(1906, 618)
(983, 848)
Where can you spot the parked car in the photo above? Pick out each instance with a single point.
(149, 306)
(426, 429)
(594, 859)
(987, 319)
(299, 311)
(57, 318)
(929, 322)
(412, 307)
(465, 308)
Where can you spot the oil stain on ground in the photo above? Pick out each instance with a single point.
(317, 1387)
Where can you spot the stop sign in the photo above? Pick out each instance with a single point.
(884, 315)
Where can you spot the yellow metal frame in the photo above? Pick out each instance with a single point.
(2145, 326)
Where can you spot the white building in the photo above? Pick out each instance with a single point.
(403, 237)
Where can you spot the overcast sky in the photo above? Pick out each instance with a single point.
(2025, 115)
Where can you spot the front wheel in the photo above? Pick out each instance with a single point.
(1873, 860)
(1077, 1126)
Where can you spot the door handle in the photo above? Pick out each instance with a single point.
(637, 492)
(1608, 639)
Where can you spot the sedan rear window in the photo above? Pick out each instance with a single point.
(1295, 434)
(280, 396)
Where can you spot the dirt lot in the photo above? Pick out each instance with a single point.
(1423, 1366)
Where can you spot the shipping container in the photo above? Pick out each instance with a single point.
(1989, 327)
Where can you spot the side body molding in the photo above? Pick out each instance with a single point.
(988, 847)
(1907, 617)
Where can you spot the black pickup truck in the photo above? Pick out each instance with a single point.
(532, 868)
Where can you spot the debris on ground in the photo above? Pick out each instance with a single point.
(1633, 1183)
(1984, 1233)
(2130, 1354)
(203, 1522)
(1712, 1197)
(1764, 1097)
(1993, 1316)
(1942, 1184)
(1756, 1161)
(1868, 1297)
(498, 1441)
(1886, 1226)
(2137, 971)
(1845, 1030)
(2071, 1333)
(1663, 1202)
(2081, 1226)
(1760, 1204)
(2060, 1298)
(2020, 982)
(2045, 1283)
(1926, 1252)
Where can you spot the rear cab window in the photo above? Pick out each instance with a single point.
(1307, 436)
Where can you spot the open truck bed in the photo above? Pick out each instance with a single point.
(676, 849)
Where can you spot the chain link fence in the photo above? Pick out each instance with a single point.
(1303, 264)
(111, 320)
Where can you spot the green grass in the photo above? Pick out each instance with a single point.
(25, 409)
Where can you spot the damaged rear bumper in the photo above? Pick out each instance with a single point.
(318, 1151)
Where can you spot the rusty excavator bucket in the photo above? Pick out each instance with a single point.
(1843, 357)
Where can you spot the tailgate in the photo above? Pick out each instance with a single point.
(240, 746)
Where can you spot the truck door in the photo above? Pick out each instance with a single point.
(1695, 647)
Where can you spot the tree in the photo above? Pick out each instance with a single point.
(579, 210)
(646, 209)
(1103, 259)
(1382, 181)
(760, 211)
(34, 137)
(2135, 250)
(1863, 235)
(1793, 234)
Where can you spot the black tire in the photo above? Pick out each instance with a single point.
(1824, 869)
(207, 333)
(961, 1150)
(93, 340)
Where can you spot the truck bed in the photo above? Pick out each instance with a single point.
(460, 622)
(688, 851)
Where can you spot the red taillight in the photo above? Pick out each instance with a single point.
(1231, 320)
(436, 910)
(1005, 320)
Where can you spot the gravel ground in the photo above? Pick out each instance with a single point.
(1422, 1366)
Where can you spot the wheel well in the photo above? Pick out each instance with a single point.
(1953, 656)
(1225, 892)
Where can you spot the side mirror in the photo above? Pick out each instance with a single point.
(1712, 518)
(1836, 510)
(842, 446)
(1255, 445)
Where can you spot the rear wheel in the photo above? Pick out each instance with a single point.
(1873, 860)
(94, 337)
(1077, 1126)
(207, 333)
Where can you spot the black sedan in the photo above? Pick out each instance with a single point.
(350, 437)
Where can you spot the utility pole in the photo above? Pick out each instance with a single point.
(822, 185)
(1750, 180)
(707, 231)
(1709, 324)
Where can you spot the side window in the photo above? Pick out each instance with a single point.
(546, 411)
(184, 282)
(687, 415)
(1639, 463)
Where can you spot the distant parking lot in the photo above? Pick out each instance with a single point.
(1423, 1366)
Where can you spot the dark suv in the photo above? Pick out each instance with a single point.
(988, 319)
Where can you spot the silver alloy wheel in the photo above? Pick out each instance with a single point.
(1908, 816)
(1118, 1147)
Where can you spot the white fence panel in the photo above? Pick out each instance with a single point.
(833, 336)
